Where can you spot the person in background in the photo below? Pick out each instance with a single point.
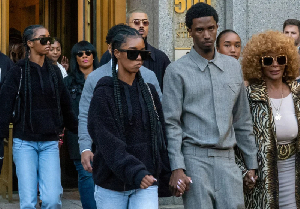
(83, 61)
(158, 61)
(55, 53)
(291, 28)
(5, 65)
(45, 108)
(16, 47)
(106, 57)
(229, 43)
(270, 64)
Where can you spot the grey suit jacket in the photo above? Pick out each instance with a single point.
(205, 104)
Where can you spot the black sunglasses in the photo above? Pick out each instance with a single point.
(133, 54)
(44, 40)
(87, 53)
(268, 60)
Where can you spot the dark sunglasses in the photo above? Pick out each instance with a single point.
(133, 54)
(44, 40)
(268, 60)
(137, 22)
(87, 53)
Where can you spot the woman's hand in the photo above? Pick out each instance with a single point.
(250, 180)
(147, 181)
(179, 182)
(65, 63)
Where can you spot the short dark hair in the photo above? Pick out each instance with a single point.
(128, 14)
(222, 34)
(291, 22)
(114, 31)
(200, 10)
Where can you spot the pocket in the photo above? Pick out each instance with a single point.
(17, 143)
(235, 87)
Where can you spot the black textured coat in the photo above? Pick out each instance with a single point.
(122, 160)
(45, 124)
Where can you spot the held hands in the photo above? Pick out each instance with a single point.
(65, 63)
(250, 180)
(179, 182)
(147, 181)
(86, 158)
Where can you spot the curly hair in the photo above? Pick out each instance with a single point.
(263, 44)
(200, 10)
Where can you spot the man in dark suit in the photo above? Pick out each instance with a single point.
(158, 61)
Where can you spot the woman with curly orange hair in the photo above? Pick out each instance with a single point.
(270, 64)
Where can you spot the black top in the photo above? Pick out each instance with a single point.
(45, 124)
(74, 84)
(122, 160)
(5, 65)
(158, 62)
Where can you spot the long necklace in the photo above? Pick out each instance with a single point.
(277, 109)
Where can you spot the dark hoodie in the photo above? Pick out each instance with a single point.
(122, 160)
(45, 124)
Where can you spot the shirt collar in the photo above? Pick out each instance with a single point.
(150, 48)
(202, 63)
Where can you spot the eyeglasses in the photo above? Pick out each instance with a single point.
(268, 60)
(44, 40)
(137, 22)
(133, 54)
(87, 53)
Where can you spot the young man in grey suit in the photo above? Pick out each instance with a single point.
(207, 114)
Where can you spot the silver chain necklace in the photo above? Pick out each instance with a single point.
(277, 109)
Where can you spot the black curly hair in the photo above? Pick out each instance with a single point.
(113, 32)
(200, 10)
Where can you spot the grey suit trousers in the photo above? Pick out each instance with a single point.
(217, 180)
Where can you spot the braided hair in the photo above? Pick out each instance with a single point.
(117, 41)
(28, 35)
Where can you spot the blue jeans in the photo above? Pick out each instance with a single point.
(132, 199)
(85, 186)
(38, 162)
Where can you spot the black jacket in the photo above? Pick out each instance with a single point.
(5, 65)
(121, 161)
(74, 84)
(158, 62)
(45, 124)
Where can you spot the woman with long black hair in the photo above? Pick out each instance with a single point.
(84, 60)
(123, 121)
(45, 108)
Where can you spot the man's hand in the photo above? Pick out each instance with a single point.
(179, 182)
(147, 181)
(250, 180)
(86, 159)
